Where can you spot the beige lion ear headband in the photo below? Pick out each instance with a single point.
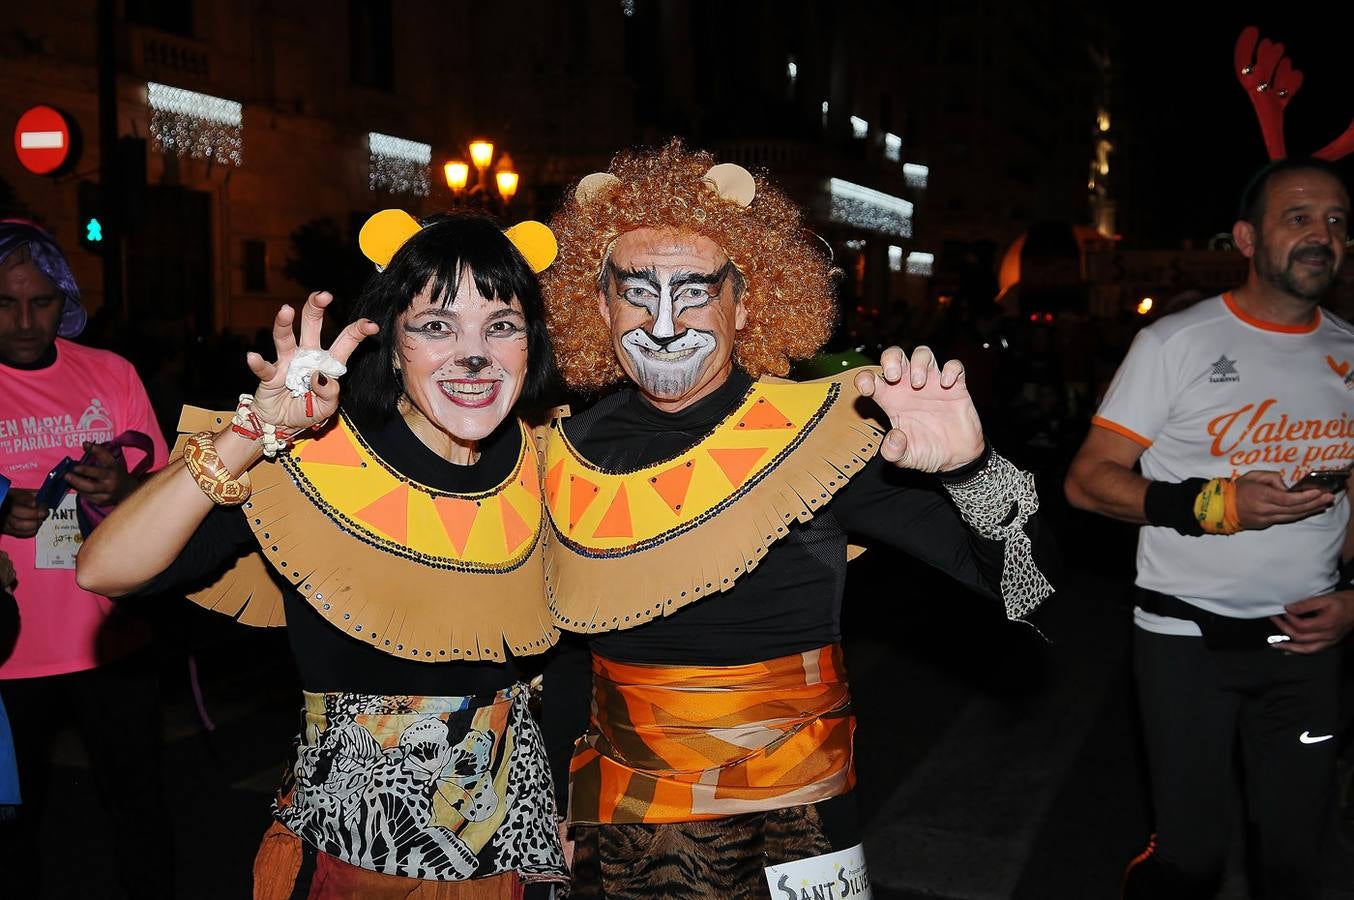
(385, 233)
(729, 180)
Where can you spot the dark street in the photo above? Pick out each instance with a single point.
(991, 765)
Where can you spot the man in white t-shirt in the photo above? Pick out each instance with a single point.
(1225, 407)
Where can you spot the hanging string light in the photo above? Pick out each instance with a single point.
(198, 126)
(863, 207)
(398, 166)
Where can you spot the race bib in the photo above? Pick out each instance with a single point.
(58, 540)
(832, 876)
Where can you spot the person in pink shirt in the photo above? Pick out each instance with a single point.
(76, 660)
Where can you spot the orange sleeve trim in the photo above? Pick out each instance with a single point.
(1305, 328)
(1121, 430)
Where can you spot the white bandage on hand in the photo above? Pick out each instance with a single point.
(305, 364)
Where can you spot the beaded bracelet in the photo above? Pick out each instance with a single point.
(275, 439)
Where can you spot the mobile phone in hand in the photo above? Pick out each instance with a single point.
(55, 485)
(1332, 481)
(4, 489)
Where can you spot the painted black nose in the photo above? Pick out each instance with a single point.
(663, 342)
(474, 363)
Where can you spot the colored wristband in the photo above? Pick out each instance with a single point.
(1170, 504)
(1215, 507)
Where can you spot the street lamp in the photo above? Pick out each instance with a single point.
(507, 184)
(481, 153)
(505, 177)
(458, 174)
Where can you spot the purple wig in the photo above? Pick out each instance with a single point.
(51, 262)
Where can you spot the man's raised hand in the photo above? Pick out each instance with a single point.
(934, 426)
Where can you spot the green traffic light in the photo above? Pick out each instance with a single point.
(93, 231)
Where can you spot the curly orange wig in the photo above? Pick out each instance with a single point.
(788, 296)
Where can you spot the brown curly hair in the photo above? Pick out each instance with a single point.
(788, 296)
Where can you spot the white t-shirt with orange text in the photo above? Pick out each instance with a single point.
(1211, 392)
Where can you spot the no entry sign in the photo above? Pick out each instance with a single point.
(42, 139)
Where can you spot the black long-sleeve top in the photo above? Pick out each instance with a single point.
(327, 658)
(792, 601)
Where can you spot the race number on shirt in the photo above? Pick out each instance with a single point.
(832, 876)
(58, 540)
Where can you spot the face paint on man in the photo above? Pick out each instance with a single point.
(673, 302)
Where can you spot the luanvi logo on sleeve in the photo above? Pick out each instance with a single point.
(1223, 370)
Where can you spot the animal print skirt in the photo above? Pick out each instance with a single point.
(435, 788)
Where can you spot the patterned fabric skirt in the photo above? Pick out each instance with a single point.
(686, 743)
(432, 788)
(286, 869)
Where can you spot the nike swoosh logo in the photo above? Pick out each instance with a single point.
(1306, 738)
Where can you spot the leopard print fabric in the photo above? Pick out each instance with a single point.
(436, 788)
(719, 859)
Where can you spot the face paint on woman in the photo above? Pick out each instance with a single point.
(463, 367)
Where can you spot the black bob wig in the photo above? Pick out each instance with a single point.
(448, 247)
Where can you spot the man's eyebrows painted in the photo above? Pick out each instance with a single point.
(709, 279)
(649, 275)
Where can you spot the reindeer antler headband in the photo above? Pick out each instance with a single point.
(1269, 79)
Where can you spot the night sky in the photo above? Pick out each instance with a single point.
(1188, 137)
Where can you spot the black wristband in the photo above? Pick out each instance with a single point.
(968, 469)
(1171, 504)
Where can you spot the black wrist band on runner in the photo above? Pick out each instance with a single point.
(968, 469)
(1171, 504)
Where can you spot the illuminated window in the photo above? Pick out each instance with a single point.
(199, 126)
(859, 127)
(916, 174)
(919, 263)
(792, 71)
(398, 166)
(863, 207)
(893, 147)
(895, 258)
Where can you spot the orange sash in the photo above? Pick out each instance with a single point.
(685, 743)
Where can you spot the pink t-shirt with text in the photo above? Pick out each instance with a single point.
(45, 415)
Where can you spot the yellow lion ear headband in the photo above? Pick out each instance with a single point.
(385, 233)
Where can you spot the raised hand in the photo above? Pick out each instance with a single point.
(934, 426)
(273, 400)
